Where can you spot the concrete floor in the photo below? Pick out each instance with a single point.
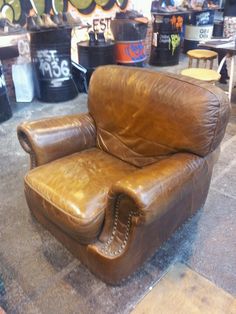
(38, 275)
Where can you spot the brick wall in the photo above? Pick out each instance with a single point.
(7, 70)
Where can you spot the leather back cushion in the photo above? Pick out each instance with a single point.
(142, 115)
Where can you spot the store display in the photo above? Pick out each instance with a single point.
(7, 28)
(166, 42)
(130, 30)
(58, 20)
(34, 23)
(72, 19)
(168, 6)
(61, 20)
(96, 52)
(51, 57)
(199, 27)
(47, 21)
(6, 52)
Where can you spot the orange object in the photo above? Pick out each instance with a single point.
(173, 20)
(130, 51)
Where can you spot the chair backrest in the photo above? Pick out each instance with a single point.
(142, 115)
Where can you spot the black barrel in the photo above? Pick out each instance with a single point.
(9, 52)
(199, 27)
(130, 37)
(166, 40)
(218, 29)
(5, 109)
(51, 56)
(92, 56)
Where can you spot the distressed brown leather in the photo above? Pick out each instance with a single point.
(73, 190)
(159, 115)
(49, 139)
(114, 184)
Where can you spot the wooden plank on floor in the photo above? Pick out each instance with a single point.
(183, 291)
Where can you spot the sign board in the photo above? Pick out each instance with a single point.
(198, 33)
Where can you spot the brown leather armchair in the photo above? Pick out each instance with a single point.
(113, 184)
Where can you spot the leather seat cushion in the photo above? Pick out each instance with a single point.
(72, 191)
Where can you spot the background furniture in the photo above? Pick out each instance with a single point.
(198, 27)
(166, 43)
(115, 183)
(5, 109)
(51, 57)
(93, 56)
(130, 35)
(201, 55)
(206, 75)
(228, 47)
(6, 52)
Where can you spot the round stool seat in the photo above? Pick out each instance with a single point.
(202, 74)
(202, 54)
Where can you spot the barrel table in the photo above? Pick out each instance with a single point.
(92, 56)
(166, 42)
(198, 27)
(5, 109)
(51, 56)
(6, 52)
(130, 35)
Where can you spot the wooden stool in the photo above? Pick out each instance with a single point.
(201, 54)
(206, 75)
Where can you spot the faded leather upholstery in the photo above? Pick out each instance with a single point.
(75, 189)
(188, 118)
(115, 183)
(49, 139)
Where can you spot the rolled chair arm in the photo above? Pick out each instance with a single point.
(148, 194)
(145, 208)
(49, 139)
(154, 188)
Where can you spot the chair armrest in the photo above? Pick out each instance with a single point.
(155, 189)
(146, 207)
(49, 139)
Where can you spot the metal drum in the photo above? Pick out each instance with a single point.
(130, 41)
(51, 56)
(166, 40)
(5, 109)
(92, 56)
(199, 27)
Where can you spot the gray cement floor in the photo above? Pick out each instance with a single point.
(38, 275)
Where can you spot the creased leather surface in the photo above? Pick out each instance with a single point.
(156, 188)
(143, 116)
(75, 190)
(48, 139)
(167, 126)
